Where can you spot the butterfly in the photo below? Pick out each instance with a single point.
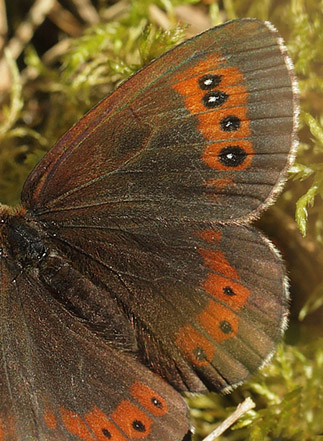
(130, 272)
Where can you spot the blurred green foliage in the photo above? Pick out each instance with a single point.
(49, 94)
(288, 395)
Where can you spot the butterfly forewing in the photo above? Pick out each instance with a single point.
(168, 144)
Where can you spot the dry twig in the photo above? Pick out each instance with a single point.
(243, 408)
(3, 25)
(86, 11)
(24, 33)
(65, 20)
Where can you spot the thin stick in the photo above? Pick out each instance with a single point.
(243, 408)
(159, 17)
(3, 24)
(23, 35)
(87, 11)
(65, 20)
(25, 31)
(115, 10)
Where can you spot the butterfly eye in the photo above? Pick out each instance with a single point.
(230, 123)
(209, 81)
(232, 156)
(214, 99)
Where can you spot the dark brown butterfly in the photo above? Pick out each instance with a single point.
(132, 252)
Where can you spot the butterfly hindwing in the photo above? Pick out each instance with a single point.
(221, 286)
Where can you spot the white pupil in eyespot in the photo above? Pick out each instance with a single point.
(207, 82)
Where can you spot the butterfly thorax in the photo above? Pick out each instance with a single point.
(20, 240)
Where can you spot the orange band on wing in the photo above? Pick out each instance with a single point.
(50, 419)
(102, 427)
(217, 96)
(75, 425)
(210, 236)
(190, 74)
(216, 261)
(232, 293)
(219, 184)
(210, 124)
(212, 154)
(149, 399)
(132, 421)
(195, 346)
(219, 322)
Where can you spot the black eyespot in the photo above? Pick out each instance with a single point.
(156, 402)
(228, 291)
(209, 81)
(139, 426)
(214, 99)
(199, 353)
(232, 156)
(230, 123)
(106, 433)
(225, 327)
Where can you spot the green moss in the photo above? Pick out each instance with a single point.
(288, 393)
